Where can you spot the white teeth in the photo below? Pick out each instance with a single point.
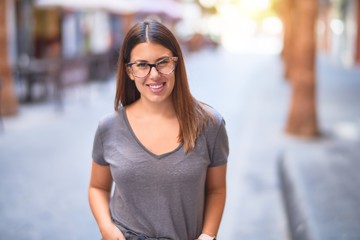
(156, 86)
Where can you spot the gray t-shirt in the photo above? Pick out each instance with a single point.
(161, 196)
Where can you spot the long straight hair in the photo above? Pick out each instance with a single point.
(190, 113)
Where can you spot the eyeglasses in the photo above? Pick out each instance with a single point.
(142, 69)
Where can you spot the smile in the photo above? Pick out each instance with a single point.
(156, 88)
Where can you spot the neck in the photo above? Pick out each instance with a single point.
(152, 109)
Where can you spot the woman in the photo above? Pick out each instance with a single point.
(165, 151)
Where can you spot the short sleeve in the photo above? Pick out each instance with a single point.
(220, 149)
(98, 148)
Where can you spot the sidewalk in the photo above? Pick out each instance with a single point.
(45, 168)
(320, 178)
(45, 155)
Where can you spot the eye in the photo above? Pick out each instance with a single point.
(141, 64)
(163, 62)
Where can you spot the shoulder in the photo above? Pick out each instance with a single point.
(108, 119)
(215, 123)
(216, 118)
(111, 119)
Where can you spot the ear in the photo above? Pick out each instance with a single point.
(129, 73)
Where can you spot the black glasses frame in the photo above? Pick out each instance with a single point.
(151, 65)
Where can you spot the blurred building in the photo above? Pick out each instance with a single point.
(339, 30)
(55, 44)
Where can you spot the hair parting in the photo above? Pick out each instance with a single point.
(147, 31)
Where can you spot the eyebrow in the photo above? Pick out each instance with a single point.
(158, 59)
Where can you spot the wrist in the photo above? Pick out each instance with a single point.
(205, 236)
(105, 226)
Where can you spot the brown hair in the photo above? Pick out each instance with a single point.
(191, 115)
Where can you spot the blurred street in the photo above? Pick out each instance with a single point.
(45, 154)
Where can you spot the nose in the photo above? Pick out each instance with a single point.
(154, 73)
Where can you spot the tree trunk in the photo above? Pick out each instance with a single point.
(325, 37)
(286, 12)
(302, 119)
(8, 100)
(357, 43)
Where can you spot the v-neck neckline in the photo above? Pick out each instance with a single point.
(158, 156)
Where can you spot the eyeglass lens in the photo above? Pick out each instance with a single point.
(164, 66)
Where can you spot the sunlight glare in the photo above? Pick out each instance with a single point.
(256, 4)
(207, 3)
(272, 25)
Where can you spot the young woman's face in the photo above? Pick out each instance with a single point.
(156, 87)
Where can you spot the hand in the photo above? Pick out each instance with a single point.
(112, 233)
(205, 236)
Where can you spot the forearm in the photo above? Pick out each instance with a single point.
(214, 207)
(99, 204)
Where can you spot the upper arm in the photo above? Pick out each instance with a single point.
(101, 177)
(219, 145)
(216, 178)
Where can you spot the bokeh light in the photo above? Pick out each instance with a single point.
(242, 26)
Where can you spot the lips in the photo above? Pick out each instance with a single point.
(156, 88)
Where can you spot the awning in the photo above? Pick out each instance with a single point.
(169, 8)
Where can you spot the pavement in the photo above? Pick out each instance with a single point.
(45, 154)
(320, 177)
